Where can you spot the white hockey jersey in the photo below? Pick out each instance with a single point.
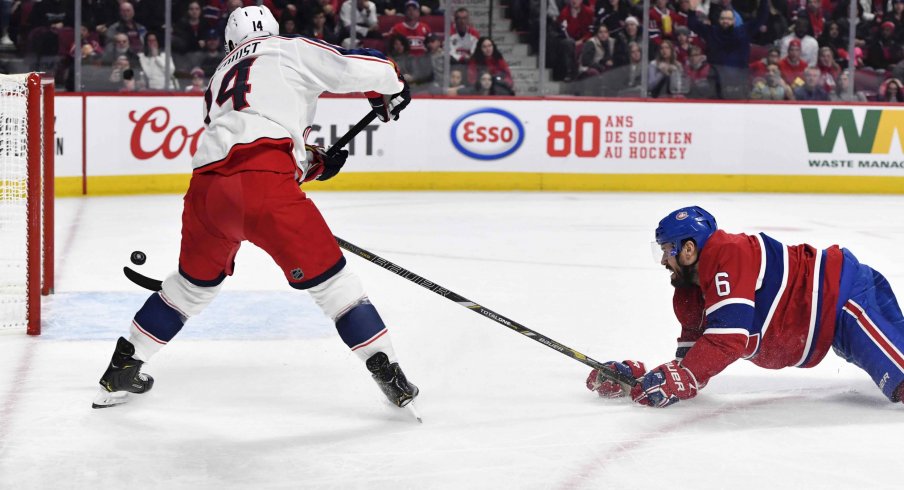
(266, 89)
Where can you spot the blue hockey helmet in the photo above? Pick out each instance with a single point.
(692, 222)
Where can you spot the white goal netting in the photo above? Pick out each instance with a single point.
(14, 147)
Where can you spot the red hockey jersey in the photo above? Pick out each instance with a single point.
(761, 300)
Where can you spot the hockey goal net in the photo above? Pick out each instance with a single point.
(26, 200)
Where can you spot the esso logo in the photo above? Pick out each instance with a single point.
(487, 134)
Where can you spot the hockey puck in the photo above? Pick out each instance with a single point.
(138, 257)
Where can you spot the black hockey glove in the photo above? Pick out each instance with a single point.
(324, 166)
(388, 107)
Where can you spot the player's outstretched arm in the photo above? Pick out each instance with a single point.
(665, 385)
(607, 388)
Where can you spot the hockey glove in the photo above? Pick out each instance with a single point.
(606, 388)
(665, 385)
(388, 107)
(323, 166)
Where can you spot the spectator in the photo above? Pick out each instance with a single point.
(153, 63)
(683, 12)
(5, 8)
(129, 82)
(700, 75)
(489, 84)
(834, 39)
(213, 53)
(412, 28)
(662, 20)
(630, 34)
(881, 51)
(596, 57)
(758, 67)
(808, 45)
(188, 33)
(815, 16)
(792, 66)
(120, 47)
(891, 90)
(120, 65)
(487, 58)
(434, 61)
(197, 85)
(771, 86)
(366, 21)
(134, 31)
(840, 94)
(463, 37)
(683, 43)
(666, 76)
(457, 83)
(628, 83)
(829, 70)
(612, 14)
(91, 38)
(574, 21)
(728, 49)
(287, 27)
(319, 29)
(811, 89)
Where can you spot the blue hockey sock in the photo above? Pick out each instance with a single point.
(155, 324)
(364, 332)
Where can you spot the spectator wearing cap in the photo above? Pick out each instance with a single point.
(188, 34)
(881, 51)
(792, 66)
(811, 89)
(684, 40)
(630, 34)
(412, 28)
(198, 81)
(462, 37)
(809, 48)
(213, 53)
(126, 24)
(425, 69)
(366, 25)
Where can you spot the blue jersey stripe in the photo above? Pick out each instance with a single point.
(733, 315)
(772, 282)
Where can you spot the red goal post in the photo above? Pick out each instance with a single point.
(26, 199)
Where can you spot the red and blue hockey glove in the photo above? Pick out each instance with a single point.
(665, 385)
(388, 107)
(323, 166)
(607, 388)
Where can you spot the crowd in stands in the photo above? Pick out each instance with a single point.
(733, 49)
(122, 41)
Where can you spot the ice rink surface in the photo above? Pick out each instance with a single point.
(259, 392)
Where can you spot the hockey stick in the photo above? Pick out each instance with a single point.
(625, 381)
(155, 285)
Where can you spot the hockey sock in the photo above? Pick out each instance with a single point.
(155, 324)
(364, 332)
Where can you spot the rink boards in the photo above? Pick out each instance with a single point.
(120, 144)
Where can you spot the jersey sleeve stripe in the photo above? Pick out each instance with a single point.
(728, 301)
(734, 315)
(361, 54)
(762, 274)
(816, 296)
(776, 267)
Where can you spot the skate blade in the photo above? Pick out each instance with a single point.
(105, 399)
(414, 412)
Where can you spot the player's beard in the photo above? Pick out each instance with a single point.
(685, 275)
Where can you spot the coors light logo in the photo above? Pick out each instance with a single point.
(153, 135)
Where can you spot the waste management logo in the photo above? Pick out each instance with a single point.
(487, 134)
(873, 135)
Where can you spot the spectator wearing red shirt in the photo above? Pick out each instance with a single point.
(662, 21)
(793, 66)
(412, 29)
(575, 21)
(488, 59)
(829, 70)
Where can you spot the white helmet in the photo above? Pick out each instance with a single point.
(248, 22)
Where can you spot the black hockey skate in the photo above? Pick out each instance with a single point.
(391, 380)
(123, 376)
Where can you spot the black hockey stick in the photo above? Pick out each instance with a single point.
(155, 285)
(625, 381)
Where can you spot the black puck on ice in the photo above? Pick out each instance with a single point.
(138, 257)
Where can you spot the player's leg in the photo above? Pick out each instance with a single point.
(292, 230)
(208, 248)
(870, 332)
